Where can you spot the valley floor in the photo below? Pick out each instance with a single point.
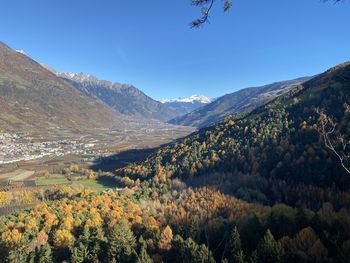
(26, 156)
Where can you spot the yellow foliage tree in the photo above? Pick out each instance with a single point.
(5, 198)
(31, 225)
(166, 239)
(152, 223)
(91, 175)
(41, 239)
(11, 237)
(63, 238)
(74, 168)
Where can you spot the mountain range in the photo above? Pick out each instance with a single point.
(183, 106)
(238, 102)
(122, 98)
(32, 97)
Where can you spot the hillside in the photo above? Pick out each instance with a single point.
(33, 98)
(183, 106)
(123, 98)
(172, 208)
(274, 154)
(241, 101)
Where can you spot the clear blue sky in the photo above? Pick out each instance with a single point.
(150, 44)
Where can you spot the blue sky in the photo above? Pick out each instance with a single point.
(150, 44)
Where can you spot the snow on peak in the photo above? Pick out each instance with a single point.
(192, 99)
(79, 77)
(21, 51)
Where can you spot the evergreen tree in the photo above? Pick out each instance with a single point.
(16, 256)
(143, 256)
(121, 242)
(45, 254)
(32, 257)
(270, 250)
(301, 218)
(80, 253)
(235, 241)
(239, 257)
(253, 257)
(236, 247)
(189, 251)
(96, 238)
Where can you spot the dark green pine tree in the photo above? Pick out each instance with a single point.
(94, 239)
(193, 230)
(236, 247)
(45, 254)
(301, 218)
(188, 251)
(121, 243)
(80, 253)
(270, 250)
(32, 257)
(16, 256)
(253, 257)
(143, 256)
(239, 257)
(94, 250)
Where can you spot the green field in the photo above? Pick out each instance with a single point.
(51, 181)
(98, 185)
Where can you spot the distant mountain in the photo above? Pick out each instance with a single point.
(192, 99)
(32, 97)
(183, 106)
(238, 102)
(123, 98)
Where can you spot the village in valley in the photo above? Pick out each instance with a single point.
(19, 147)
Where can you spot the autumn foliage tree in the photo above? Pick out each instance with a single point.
(166, 239)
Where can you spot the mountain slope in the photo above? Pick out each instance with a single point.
(237, 102)
(274, 154)
(124, 99)
(31, 97)
(183, 106)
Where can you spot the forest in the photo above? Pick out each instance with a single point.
(256, 188)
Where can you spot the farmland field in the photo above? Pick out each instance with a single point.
(51, 181)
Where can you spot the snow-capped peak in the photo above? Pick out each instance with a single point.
(21, 51)
(79, 77)
(192, 99)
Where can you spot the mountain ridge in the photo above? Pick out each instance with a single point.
(241, 101)
(272, 154)
(124, 99)
(33, 96)
(200, 98)
(184, 106)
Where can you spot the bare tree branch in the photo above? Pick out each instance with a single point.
(333, 139)
(207, 5)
